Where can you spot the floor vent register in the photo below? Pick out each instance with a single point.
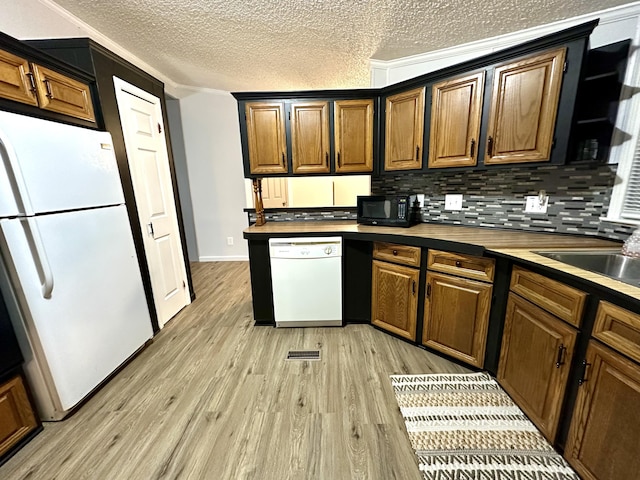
(303, 355)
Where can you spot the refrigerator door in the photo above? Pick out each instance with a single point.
(96, 315)
(48, 167)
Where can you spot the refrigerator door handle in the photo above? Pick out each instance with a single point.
(40, 258)
(16, 179)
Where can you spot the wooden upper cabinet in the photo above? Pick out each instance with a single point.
(310, 137)
(266, 137)
(16, 79)
(394, 298)
(456, 110)
(535, 359)
(456, 317)
(524, 104)
(404, 129)
(62, 94)
(603, 438)
(353, 124)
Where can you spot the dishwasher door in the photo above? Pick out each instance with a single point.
(306, 278)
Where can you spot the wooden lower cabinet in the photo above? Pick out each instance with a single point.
(394, 298)
(17, 418)
(603, 439)
(456, 317)
(535, 359)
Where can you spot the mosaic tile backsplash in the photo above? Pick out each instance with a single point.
(579, 196)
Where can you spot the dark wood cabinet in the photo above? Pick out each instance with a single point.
(456, 111)
(535, 359)
(456, 314)
(404, 129)
(457, 305)
(524, 104)
(16, 79)
(26, 81)
(394, 288)
(603, 440)
(17, 417)
(266, 137)
(310, 142)
(353, 127)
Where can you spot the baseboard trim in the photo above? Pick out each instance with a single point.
(229, 258)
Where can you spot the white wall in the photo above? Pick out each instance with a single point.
(214, 161)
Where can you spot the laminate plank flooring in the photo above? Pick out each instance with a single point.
(213, 398)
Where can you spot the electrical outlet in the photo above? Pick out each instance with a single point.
(229, 240)
(453, 202)
(536, 204)
(420, 197)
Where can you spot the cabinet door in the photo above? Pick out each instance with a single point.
(456, 317)
(266, 137)
(310, 137)
(16, 79)
(603, 439)
(16, 415)
(404, 130)
(524, 103)
(456, 109)
(61, 94)
(394, 298)
(353, 126)
(535, 359)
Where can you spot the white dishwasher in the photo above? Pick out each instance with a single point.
(306, 277)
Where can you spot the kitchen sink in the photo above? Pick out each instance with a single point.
(609, 263)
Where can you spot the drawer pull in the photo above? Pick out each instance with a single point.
(47, 86)
(584, 378)
(283, 160)
(413, 288)
(472, 148)
(428, 290)
(559, 359)
(395, 252)
(490, 146)
(458, 263)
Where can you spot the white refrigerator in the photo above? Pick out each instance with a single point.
(69, 271)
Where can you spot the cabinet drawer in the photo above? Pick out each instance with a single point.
(618, 328)
(392, 252)
(16, 414)
(563, 301)
(477, 268)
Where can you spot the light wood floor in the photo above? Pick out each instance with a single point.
(213, 398)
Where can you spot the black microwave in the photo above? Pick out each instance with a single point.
(387, 210)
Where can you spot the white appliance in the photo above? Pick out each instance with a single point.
(306, 278)
(69, 272)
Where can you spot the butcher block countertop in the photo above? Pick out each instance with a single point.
(515, 244)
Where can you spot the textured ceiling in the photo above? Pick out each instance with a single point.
(240, 45)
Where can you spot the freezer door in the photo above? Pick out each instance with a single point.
(96, 314)
(48, 167)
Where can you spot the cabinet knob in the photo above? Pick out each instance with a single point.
(458, 263)
(395, 252)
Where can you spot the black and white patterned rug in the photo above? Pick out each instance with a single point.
(465, 427)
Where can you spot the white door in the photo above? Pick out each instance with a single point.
(274, 192)
(143, 128)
